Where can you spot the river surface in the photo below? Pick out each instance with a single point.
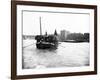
(67, 55)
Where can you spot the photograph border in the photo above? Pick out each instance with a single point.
(14, 39)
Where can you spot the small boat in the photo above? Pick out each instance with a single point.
(46, 41)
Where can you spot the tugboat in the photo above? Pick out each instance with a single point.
(46, 41)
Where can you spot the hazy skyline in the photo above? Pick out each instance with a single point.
(51, 21)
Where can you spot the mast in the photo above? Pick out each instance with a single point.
(40, 27)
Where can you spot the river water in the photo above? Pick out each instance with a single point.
(67, 55)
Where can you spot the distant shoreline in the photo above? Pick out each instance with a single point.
(75, 41)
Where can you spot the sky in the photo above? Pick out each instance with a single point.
(73, 22)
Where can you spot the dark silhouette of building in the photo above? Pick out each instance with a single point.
(55, 33)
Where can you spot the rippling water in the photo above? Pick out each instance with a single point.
(67, 55)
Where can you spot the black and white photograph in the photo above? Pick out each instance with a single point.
(55, 39)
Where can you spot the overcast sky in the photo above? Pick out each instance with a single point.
(51, 21)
